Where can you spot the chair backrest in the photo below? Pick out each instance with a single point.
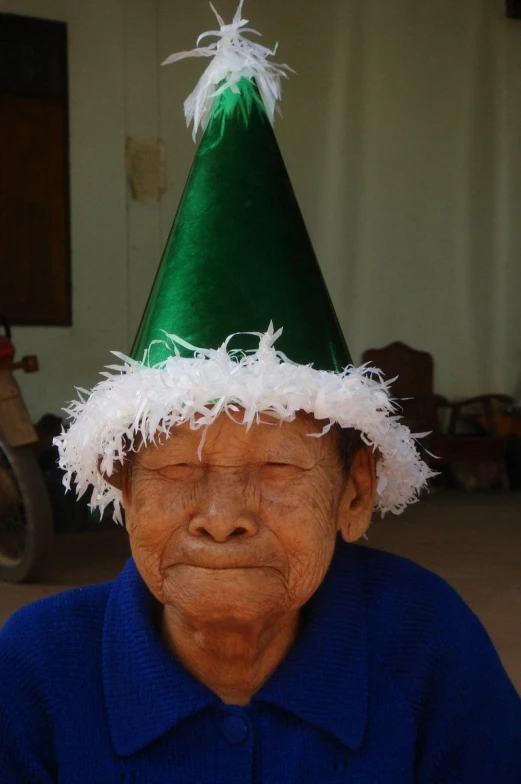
(415, 369)
(413, 388)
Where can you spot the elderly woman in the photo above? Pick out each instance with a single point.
(249, 639)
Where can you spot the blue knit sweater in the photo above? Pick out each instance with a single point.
(392, 680)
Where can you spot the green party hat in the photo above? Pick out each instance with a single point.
(239, 255)
(238, 260)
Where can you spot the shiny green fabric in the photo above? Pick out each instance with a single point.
(239, 255)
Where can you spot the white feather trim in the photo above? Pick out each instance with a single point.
(142, 400)
(234, 57)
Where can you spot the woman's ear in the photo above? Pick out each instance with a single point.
(357, 502)
(126, 482)
(116, 477)
(120, 478)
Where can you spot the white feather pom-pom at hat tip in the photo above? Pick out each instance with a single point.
(137, 399)
(233, 57)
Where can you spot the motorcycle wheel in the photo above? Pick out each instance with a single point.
(26, 523)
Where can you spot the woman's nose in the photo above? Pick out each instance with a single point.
(225, 515)
(221, 528)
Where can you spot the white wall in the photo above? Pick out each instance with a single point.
(400, 132)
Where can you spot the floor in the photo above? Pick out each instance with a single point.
(472, 540)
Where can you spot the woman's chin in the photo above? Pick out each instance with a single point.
(239, 595)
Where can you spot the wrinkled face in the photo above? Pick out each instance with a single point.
(247, 531)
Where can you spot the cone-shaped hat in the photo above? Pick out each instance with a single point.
(239, 255)
(238, 260)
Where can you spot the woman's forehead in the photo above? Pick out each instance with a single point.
(263, 436)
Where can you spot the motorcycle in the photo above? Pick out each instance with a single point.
(26, 522)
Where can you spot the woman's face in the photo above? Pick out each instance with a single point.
(249, 530)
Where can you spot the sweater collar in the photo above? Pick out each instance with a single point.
(147, 691)
(323, 680)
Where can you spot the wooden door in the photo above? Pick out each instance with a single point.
(34, 190)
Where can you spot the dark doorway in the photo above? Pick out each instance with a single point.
(34, 173)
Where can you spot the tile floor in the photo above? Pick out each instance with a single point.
(473, 541)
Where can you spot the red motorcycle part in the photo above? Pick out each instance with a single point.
(6, 349)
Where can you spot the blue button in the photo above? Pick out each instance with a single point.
(234, 729)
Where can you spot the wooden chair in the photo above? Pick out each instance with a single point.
(462, 432)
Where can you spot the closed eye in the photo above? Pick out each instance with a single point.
(274, 470)
(181, 471)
